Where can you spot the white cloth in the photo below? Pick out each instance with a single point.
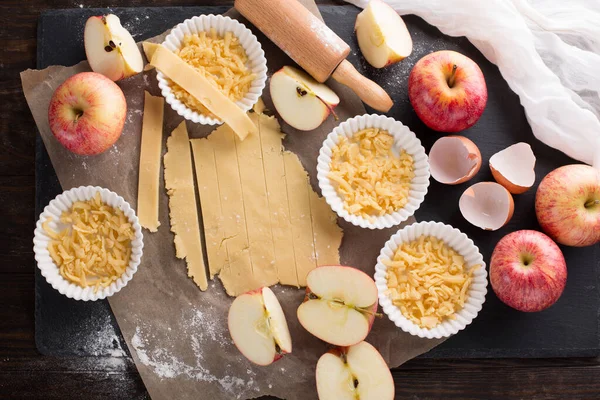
(547, 50)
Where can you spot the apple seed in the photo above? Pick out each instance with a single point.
(301, 92)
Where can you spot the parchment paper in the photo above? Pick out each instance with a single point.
(177, 334)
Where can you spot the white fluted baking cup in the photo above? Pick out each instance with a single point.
(465, 247)
(405, 139)
(48, 268)
(256, 62)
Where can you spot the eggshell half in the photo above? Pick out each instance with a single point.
(454, 160)
(514, 167)
(487, 205)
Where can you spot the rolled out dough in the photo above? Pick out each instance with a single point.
(179, 182)
(263, 222)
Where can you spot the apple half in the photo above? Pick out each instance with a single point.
(258, 326)
(300, 100)
(355, 372)
(110, 49)
(339, 306)
(382, 35)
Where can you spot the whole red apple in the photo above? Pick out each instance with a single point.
(528, 271)
(447, 91)
(567, 205)
(87, 113)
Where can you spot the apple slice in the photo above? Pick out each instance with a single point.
(300, 100)
(382, 35)
(339, 306)
(110, 48)
(355, 372)
(258, 327)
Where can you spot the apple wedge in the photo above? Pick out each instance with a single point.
(382, 35)
(339, 306)
(258, 327)
(300, 100)
(355, 372)
(110, 48)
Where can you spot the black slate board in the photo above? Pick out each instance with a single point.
(571, 328)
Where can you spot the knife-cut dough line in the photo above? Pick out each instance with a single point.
(255, 204)
(210, 198)
(236, 275)
(327, 236)
(179, 182)
(300, 216)
(198, 86)
(279, 210)
(150, 149)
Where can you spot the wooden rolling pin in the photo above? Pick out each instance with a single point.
(312, 45)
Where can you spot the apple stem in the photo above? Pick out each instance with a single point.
(366, 311)
(452, 76)
(591, 203)
(78, 113)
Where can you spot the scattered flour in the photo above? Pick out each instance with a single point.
(202, 334)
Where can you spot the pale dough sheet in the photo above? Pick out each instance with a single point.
(258, 233)
(183, 209)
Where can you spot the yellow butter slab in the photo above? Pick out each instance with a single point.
(150, 149)
(198, 86)
(179, 182)
(210, 200)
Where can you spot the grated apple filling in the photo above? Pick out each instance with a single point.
(428, 281)
(371, 180)
(95, 248)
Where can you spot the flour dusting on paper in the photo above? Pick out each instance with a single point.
(203, 334)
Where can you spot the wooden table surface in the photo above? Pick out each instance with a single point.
(24, 373)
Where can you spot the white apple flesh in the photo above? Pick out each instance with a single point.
(258, 327)
(382, 35)
(301, 101)
(110, 49)
(340, 305)
(354, 373)
(528, 271)
(567, 205)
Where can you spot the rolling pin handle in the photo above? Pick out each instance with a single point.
(368, 91)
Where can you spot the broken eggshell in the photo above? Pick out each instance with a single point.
(513, 167)
(454, 160)
(487, 205)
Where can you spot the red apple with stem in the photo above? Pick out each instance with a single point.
(447, 91)
(567, 205)
(528, 271)
(87, 113)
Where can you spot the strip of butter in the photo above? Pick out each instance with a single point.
(198, 86)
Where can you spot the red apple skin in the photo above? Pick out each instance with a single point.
(441, 107)
(532, 287)
(87, 113)
(560, 205)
